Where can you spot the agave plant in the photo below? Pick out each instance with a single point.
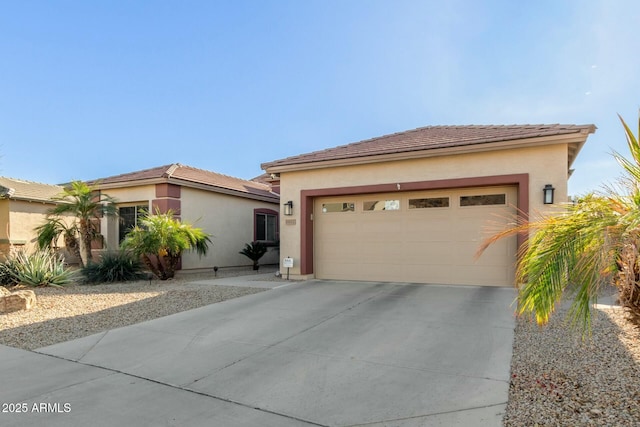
(594, 242)
(8, 272)
(42, 268)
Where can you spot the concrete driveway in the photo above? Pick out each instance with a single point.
(313, 353)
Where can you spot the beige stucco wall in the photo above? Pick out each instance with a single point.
(230, 221)
(4, 219)
(544, 164)
(228, 218)
(18, 220)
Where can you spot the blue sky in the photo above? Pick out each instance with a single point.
(90, 89)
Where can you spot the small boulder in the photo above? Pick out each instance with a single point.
(19, 300)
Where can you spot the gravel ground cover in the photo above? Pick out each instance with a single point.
(557, 379)
(76, 311)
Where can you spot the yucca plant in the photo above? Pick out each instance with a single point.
(116, 266)
(593, 242)
(42, 268)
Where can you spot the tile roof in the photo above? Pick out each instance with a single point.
(188, 174)
(430, 138)
(18, 189)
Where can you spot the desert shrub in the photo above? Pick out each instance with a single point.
(118, 266)
(8, 271)
(42, 268)
(254, 251)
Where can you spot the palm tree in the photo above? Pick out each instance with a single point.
(160, 240)
(592, 243)
(49, 233)
(83, 205)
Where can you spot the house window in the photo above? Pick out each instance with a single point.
(429, 202)
(266, 226)
(130, 217)
(483, 200)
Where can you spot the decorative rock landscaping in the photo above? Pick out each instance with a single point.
(24, 299)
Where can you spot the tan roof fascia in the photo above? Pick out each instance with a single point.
(576, 139)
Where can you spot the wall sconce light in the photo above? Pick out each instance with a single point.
(288, 208)
(548, 194)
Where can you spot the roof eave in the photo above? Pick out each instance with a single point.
(577, 139)
(33, 200)
(187, 183)
(133, 183)
(228, 191)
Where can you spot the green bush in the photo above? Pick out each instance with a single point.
(8, 271)
(42, 268)
(118, 266)
(254, 251)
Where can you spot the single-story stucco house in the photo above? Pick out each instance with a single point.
(23, 207)
(234, 211)
(414, 206)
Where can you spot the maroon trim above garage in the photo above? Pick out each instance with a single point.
(307, 198)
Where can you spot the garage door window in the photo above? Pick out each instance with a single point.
(483, 200)
(382, 205)
(429, 202)
(338, 207)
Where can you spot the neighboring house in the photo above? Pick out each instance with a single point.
(414, 206)
(234, 211)
(23, 207)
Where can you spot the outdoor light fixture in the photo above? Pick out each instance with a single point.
(288, 208)
(548, 194)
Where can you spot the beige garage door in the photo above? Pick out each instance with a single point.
(420, 237)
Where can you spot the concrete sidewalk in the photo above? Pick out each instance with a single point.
(256, 280)
(310, 353)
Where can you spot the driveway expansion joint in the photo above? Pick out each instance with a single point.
(184, 389)
(434, 414)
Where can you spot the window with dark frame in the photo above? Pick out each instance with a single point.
(266, 227)
(130, 217)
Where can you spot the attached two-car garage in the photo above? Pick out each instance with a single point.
(419, 237)
(414, 206)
